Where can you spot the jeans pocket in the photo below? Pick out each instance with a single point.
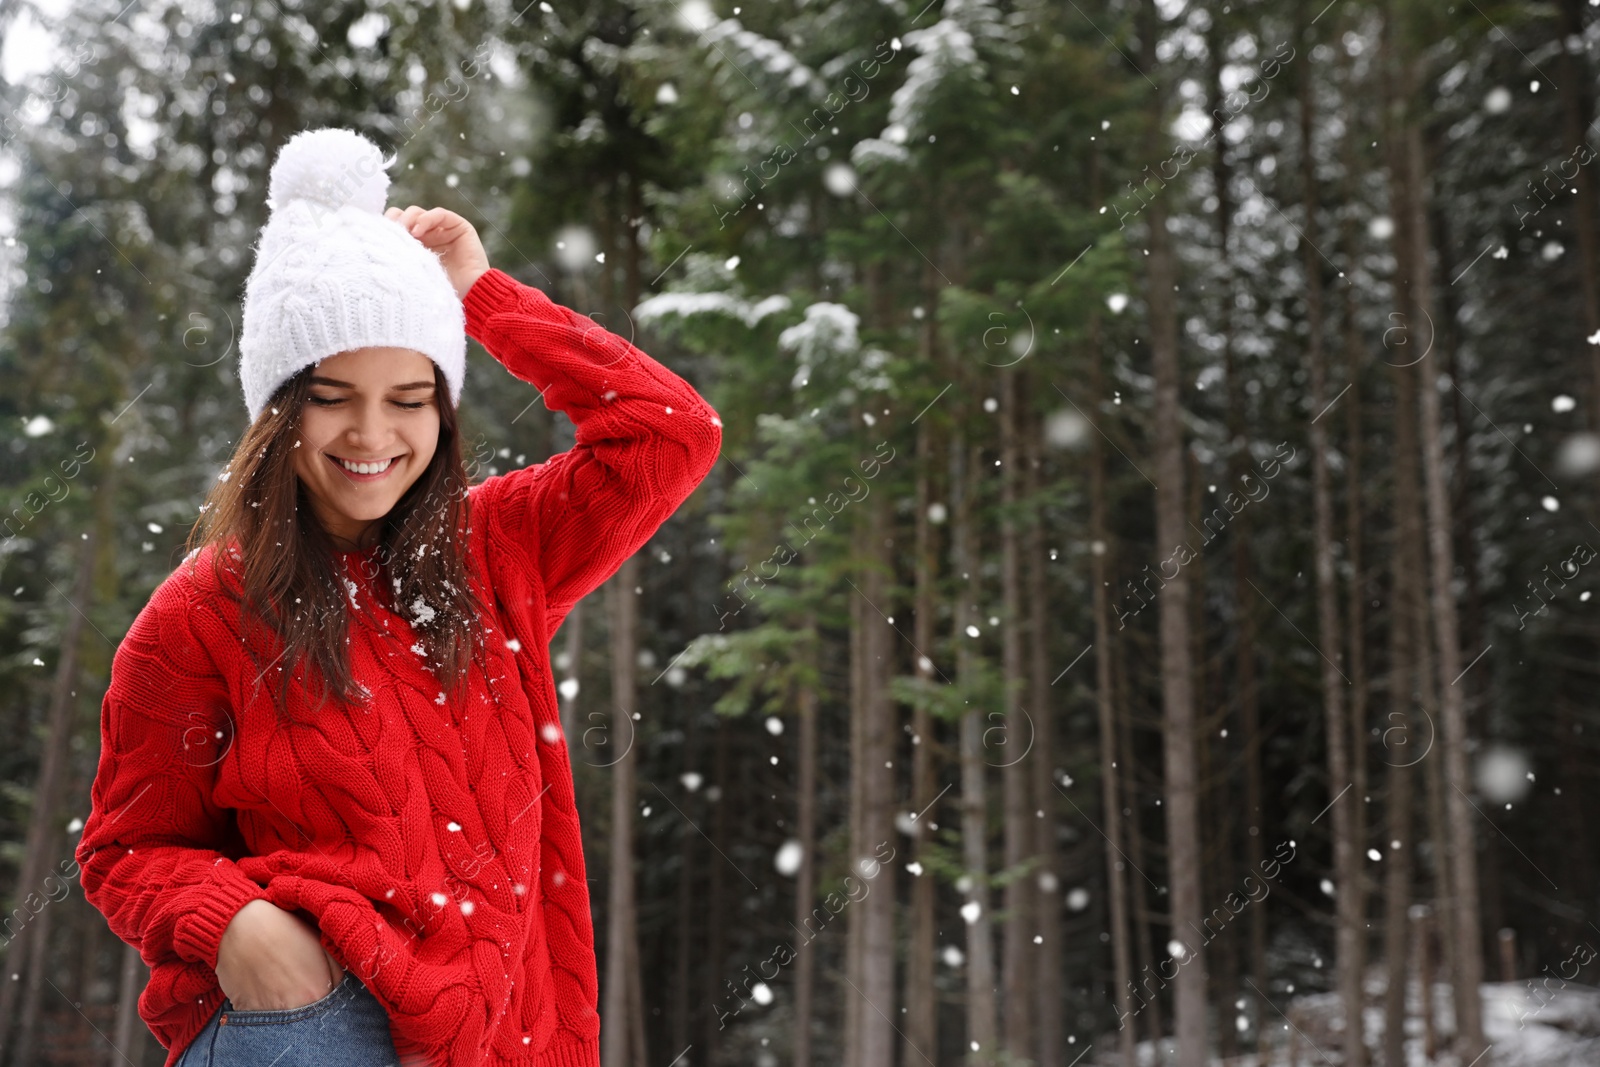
(347, 1028)
(283, 1016)
(197, 1054)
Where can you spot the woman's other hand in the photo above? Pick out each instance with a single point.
(450, 236)
(272, 960)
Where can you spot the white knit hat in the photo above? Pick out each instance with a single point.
(332, 274)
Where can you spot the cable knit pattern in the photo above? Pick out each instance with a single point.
(435, 845)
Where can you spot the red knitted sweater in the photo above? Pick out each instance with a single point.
(435, 845)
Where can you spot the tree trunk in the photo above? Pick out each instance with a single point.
(1356, 621)
(805, 966)
(1020, 825)
(625, 991)
(39, 958)
(636, 996)
(1047, 981)
(632, 291)
(875, 913)
(1409, 733)
(921, 1022)
(1413, 329)
(128, 1038)
(1461, 827)
(1461, 500)
(982, 1025)
(1398, 864)
(1112, 686)
(1142, 916)
(30, 951)
(1577, 112)
(1423, 919)
(1464, 523)
(1249, 705)
(688, 907)
(1178, 726)
(853, 1007)
(717, 948)
(1215, 846)
(1111, 793)
(1350, 898)
(622, 951)
(89, 933)
(1357, 592)
(1243, 687)
(1433, 786)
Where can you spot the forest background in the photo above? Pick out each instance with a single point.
(1144, 601)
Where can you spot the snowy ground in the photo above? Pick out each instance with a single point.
(1528, 1024)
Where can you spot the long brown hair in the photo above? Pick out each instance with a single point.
(271, 551)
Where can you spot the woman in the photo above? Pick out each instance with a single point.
(334, 807)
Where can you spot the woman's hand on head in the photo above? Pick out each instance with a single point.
(443, 231)
(272, 960)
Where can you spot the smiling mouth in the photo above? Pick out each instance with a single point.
(364, 469)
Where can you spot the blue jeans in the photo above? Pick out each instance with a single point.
(346, 1028)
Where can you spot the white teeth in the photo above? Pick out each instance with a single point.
(366, 468)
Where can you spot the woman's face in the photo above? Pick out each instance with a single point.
(370, 406)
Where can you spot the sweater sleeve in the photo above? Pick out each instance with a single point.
(645, 440)
(154, 854)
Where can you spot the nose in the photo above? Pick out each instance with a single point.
(369, 431)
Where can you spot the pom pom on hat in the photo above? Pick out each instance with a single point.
(331, 167)
(332, 274)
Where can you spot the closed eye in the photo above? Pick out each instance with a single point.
(328, 402)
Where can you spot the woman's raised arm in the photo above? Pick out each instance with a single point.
(645, 440)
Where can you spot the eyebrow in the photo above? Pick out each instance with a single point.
(319, 380)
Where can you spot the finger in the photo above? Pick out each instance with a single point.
(426, 225)
(436, 219)
(392, 213)
(335, 972)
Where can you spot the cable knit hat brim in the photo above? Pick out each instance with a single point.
(332, 274)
